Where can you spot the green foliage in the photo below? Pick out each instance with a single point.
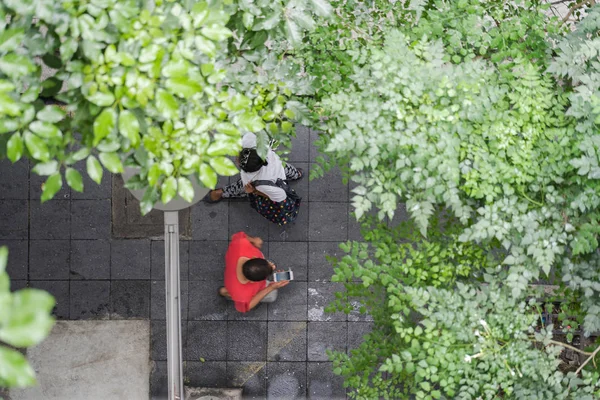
(154, 86)
(25, 320)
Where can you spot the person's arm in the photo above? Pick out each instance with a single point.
(261, 295)
(255, 241)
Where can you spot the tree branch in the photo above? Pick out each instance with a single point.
(570, 347)
(591, 357)
(575, 7)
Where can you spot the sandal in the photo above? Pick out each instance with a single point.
(301, 171)
(208, 200)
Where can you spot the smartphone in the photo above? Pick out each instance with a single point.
(283, 276)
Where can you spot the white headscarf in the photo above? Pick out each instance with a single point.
(270, 172)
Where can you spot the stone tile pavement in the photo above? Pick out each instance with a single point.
(276, 351)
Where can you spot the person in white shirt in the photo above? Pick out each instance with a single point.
(253, 168)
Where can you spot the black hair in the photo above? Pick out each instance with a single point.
(257, 269)
(250, 160)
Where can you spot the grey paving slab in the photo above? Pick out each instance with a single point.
(286, 341)
(14, 219)
(290, 255)
(328, 222)
(14, 179)
(356, 332)
(250, 376)
(319, 269)
(291, 303)
(158, 339)
(246, 340)
(207, 260)
(89, 300)
(323, 336)
(321, 295)
(35, 188)
(301, 185)
(90, 219)
(18, 258)
(300, 145)
(205, 303)
(313, 150)
(296, 231)
(18, 284)
(400, 215)
(206, 340)
(60, 291)
(92, 190)
(130, 259)
(50, 220)
(258, 313)
(323, 383)
(130, 299)
(210, 221)
(329, 187)
(159, 381)
(158, 300)
(243, 218)
(90, 259)
(205, 374)
(158, 259)
(286, 380)
(49, 259)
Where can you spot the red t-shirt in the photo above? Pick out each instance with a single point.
(241, 293)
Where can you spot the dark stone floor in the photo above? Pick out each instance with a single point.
(67, 247)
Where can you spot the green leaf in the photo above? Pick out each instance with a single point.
(74, 179)
(102, 99)
(216, 32)
(51, 186)
(16, 65)
(14, 147)
(322, 7)
(148, 200)
(94, 169)
(3, 258)
(104, 124)
(45, 130)
(129, 127)
(52, 61)
(228, 129)
(185, 189)
(166, 104)
(294, 34)
(29, 320)
(224, 166)
(208, 176)
(46, 169)
(168, 189)
(111, 162)
(250, 122)
(51, 114)
(14, 369)
(36, 147)
(183, 86)
(206, 46)
(68, 48)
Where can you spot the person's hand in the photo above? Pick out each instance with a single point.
(249, 188)
(256, 241)
(280, 284)
(273, 266)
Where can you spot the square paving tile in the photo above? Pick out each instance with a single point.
(300, 145)
(210, 221)
(243, 218)
(290, 255)
(49, 259)
(35, 185)
(91, 190)
(18, 284)
(329, 187)
(291, 303)
(205, 303)
(158, 259)
(50, 220)
(207, 340)
(328, 222)
(159, 381)
(250, 376)
(286, 380)
(320, 296)
(90, 259)
(130, 299)
(158, 340)
(400, 215)
(14, 179)
(90, 219)
(301, 185)
(158, 300)
(356, 331)
(246, 340)
(90, 299)
(205, 374)
(14, 219)
(319, 269)
(323, 383)
(18, 258)
(60, 291)
(207, 260)
(323, 336)
(286, 341)
(130, 259)
(296, 231)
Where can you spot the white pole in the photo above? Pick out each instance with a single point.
(173, 302)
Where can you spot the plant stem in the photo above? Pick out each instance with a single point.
(571, 347)
(591, 357)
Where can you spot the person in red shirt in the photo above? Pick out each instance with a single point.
(246, 273)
